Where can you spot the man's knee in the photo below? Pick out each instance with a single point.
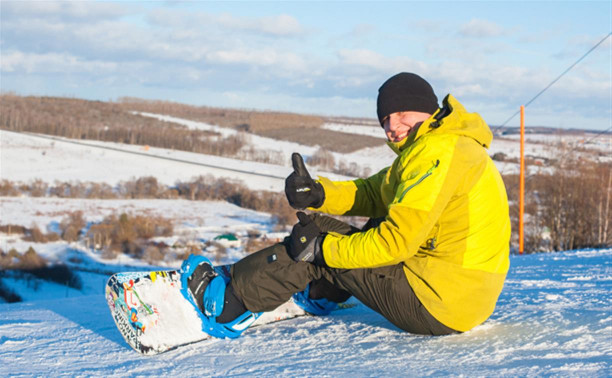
(267, 278)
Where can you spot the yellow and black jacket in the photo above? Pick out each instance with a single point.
(446, 218)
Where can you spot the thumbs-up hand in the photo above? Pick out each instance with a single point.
(301, 190)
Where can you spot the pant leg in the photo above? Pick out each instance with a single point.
(387, 291)
(266, 279)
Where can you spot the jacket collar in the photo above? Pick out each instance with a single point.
(450, 118)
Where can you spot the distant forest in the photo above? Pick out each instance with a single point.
(117, 122)
(567, 205)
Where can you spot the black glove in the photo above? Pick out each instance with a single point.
(306, 241)
(301, 190)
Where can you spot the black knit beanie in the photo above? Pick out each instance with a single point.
(405, 92)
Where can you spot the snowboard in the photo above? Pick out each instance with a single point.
(153, 316)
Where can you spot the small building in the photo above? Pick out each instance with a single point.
(228, 240)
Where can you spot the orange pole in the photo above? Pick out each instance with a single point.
(522, 184)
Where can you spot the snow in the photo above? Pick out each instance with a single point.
(59, 159)
(52, 159)
(373, 131)
(167, 318)
(191, 125)
(554, 316)
(537, 146)
(160, 332)
(561, 326)
(212, 216)
(197, 221)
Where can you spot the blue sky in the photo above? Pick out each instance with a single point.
(324, 58)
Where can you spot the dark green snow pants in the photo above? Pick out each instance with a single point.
(268, 278)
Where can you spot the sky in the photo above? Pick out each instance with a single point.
(315, 57)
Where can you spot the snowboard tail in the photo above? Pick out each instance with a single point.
(153, 316)
(133, 316)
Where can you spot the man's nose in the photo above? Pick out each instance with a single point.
(393, 122)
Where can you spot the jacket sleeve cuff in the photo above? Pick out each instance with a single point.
(319, 259)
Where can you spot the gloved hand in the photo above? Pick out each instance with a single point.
(301, 190)
(306, 241)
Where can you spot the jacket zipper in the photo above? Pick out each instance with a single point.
(427, 174)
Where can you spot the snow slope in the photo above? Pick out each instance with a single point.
(27, 157)
(537, 146)
(553, 318)
(193, 221)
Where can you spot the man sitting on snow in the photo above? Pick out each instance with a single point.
(433, 257)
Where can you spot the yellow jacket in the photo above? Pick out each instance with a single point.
(446, 218)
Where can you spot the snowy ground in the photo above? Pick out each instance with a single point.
(553, 318)
(60, 159)
(26, 157)
(194, 222)
(537, 146)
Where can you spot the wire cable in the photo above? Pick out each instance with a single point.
(598, 135)
(149, 155)
(555, 80)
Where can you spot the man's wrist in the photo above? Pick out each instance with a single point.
(320, 195)
(319, 259)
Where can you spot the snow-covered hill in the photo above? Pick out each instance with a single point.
(553, 318)
(194, 222)
(25, 157)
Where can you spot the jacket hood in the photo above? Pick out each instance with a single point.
(451, 118)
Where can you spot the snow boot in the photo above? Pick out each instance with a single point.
(320, 297)
(208, 289)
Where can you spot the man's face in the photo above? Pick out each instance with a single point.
(401, 124)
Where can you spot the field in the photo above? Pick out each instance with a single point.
(75, 208)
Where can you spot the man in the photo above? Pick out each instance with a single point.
(433, 257)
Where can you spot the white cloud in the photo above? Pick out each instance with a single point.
(281, 25)
(174, 50)
(469, 90)
(278, 26)
(360, 31)
(363, 57)
(178, 18)
(383, 64)
(16, 61)
(269, 57)
(580, 44)
(477, 28)
(63, 10)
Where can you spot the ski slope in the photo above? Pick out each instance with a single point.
(553, 318)
(28, 157)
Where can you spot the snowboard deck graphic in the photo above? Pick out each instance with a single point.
(153, 316)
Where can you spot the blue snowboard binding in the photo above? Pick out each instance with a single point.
(319, 307)
(203, 285)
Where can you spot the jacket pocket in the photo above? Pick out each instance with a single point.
(425, 175)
